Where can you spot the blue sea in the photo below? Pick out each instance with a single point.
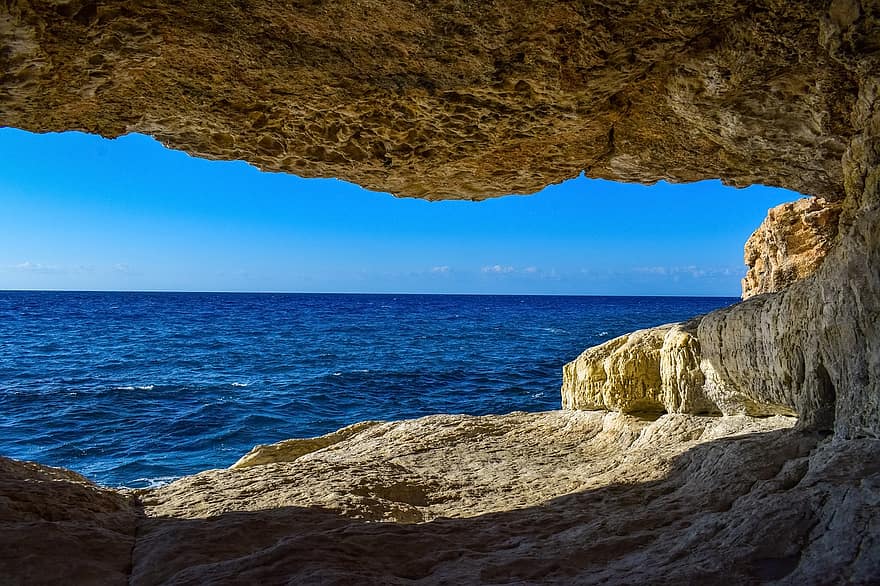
(136, 389)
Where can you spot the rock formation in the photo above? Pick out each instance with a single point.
(789, 245)
(559, 497)
(454, 99)
(655, 370)
(447, 98)
(56, 527)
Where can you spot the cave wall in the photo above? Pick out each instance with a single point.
(458, 99)
(789, 245)
(450, 98)
(805, 344)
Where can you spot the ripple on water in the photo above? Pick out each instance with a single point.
(138, 389)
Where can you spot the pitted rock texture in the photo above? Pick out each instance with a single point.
(789, 245)
(655, 370)
(540, 498)
(652, 370)
(622, 374)
(813, 347)
(543, 498)
(811, 350)
(455, 99)
(451, 98)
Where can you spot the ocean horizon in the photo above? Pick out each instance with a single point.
(138, 388)
(270, 292)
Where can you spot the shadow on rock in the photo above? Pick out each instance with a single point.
(773, 506)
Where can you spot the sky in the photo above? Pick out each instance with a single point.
(79, 212)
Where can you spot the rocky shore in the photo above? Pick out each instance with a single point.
(555, 497)
(739, 448)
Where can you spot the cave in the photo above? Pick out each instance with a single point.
(455, 99)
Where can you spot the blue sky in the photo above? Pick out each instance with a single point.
(81, 212)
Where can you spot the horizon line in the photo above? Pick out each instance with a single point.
(228, 292)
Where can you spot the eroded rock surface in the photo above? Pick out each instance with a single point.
(789, 245)
(56, 527)
(456, 99)
(476, 487)
(559, 497)
(813, 347)
(290, 450)
(451, 98)
(652, 370)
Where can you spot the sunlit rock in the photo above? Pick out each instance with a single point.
(789, 245)
(452, 99)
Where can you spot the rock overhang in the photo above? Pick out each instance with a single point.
(448, 99)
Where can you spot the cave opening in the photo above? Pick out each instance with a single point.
(826, 400)
(439, 100)
(91, 214)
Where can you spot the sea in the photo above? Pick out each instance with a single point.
(137, 389)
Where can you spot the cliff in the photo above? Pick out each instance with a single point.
(450, 99)
(789, 245)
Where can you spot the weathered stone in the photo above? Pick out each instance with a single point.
(789, 245)
(449, 98)
(56, 527)
(560, 497)
(290, 450)
(622, 374)
(681, 370)
(470, 100)
(653, 370)
(556, 497)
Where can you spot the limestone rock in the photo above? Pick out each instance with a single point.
(552, 498)
(789, 245)
(683, 372)
(448, 98)
(454, 100)
(56, 527)
(463, 480)
(642, 511)
(290, 450)
(813, 348)
(653, 370)
(622, 374)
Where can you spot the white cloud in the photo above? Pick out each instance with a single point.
(35, 267)
(441, 270)
(692, 270)
(530, 270)
(498, 269)
(652, 270)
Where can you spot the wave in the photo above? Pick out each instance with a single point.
(156, 482)
(234, 371)
(555, 330)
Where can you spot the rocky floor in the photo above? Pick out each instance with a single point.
(555, 497)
